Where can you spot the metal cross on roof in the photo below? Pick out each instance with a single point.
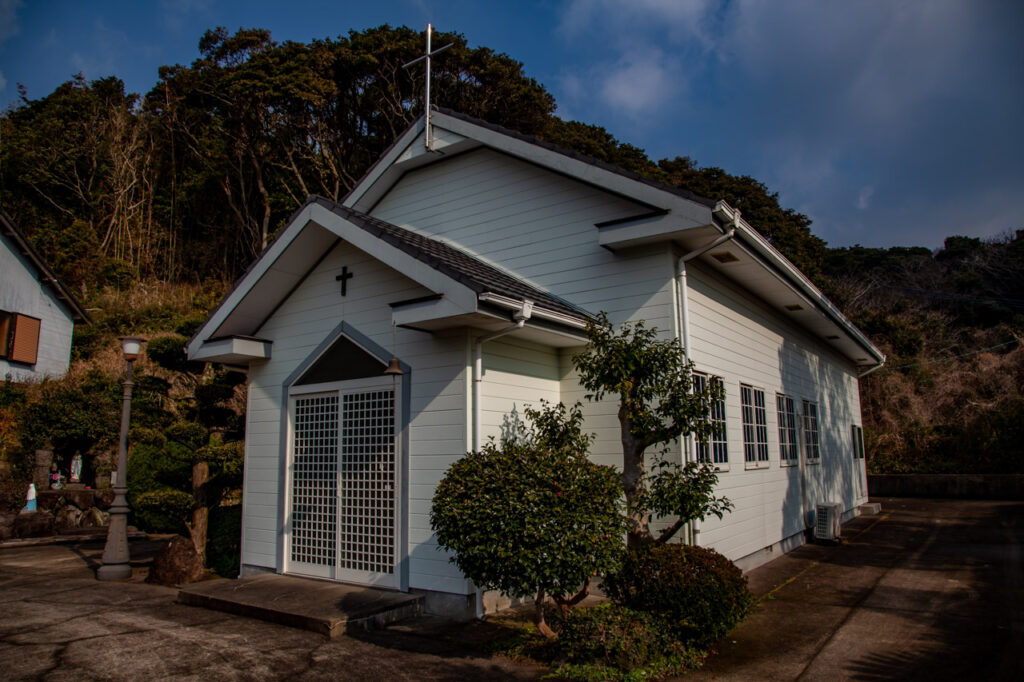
(429, 137)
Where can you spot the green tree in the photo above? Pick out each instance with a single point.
(658, 404)
(197, 456)
(531, 515)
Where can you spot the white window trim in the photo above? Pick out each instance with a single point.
(857, 434)
(795, 445)
(805, 431)
(759, 446)
(724, 440)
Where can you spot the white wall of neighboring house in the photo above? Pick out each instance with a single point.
(21, 292)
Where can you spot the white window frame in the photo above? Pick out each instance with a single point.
(716, 450)
(811, 432)
(789, 438)
(755, 427)
(857, 434)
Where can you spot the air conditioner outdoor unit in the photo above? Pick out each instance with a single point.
(826, 521)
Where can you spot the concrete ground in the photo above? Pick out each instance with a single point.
(926, 590)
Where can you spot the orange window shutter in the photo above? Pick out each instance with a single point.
(26, 339)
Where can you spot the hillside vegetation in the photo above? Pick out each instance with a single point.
(149, 205)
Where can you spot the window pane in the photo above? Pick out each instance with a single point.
(755, 425)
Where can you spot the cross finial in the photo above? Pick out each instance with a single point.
(428, 134)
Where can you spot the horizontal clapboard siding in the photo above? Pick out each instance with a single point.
(22, 293)
(530, 221)
(735, 336)
(437, 410)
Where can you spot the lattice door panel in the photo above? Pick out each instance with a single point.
(314, 494)
(367, 478)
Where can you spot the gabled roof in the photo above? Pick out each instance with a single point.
(46, 276)
(582, 158)
(672, 215)
(664, 214)
(466, 288)
(456, 264)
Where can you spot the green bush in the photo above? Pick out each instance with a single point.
(151, 470)
(532, 516)
(520, 518)
(697, 591)
(606, 641)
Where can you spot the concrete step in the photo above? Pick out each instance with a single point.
(330, 608)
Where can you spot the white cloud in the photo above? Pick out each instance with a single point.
(177, 12)
(9, 18)
(631, 23)
(643, 52)
(864, 197)
(639, 82)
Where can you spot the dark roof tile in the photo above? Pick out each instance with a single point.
(456, 264)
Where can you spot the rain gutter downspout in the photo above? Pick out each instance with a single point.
(873, 369)
(684, 331)
(520, 316)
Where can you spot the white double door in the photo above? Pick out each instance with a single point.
(343, 482)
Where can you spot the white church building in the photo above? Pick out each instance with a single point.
(475, 256)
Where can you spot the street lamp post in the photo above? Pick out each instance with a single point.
(116, 559)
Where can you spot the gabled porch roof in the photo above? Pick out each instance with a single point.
(466, 290)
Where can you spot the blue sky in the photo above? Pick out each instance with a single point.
(888, 122)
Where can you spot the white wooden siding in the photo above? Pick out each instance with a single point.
(528, 220)
(21, 292)
(437, 426)
(735, 336)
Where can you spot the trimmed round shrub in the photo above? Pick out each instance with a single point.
(699, 593)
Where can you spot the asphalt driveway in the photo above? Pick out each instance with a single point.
(926, 590)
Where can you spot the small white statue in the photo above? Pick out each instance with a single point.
(76, 468)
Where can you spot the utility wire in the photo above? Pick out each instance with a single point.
(954, 357)
(931, 293)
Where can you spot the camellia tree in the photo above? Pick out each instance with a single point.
(531, 515)
(658, 404)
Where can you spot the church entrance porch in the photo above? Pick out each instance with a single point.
(343, 483)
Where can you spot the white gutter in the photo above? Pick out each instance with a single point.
(873, 369)
(524, 310)
(692, 529)
(539, 313)
(792, 277)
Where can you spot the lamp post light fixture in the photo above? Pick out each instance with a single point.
(116, 559)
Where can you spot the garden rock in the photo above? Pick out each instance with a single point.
(33, 524)
(176, 564)
(93, 517)
(68, 516)
(7, 526)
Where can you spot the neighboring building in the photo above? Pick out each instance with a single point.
(37, 313)
(489, 234)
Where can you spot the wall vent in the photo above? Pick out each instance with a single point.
(793, 307)
(826, 521)
(724, 257)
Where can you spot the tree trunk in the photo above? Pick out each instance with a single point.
(538, 616)
(632, 479)
(201, 510)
